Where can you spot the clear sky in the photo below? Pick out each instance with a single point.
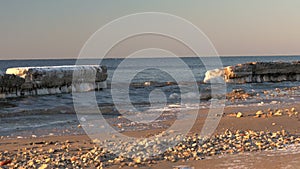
(58, 28)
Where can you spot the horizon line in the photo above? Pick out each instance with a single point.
(156, 57)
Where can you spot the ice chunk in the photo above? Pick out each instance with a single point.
(214, 76)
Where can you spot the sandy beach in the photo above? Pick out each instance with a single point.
(72, 147)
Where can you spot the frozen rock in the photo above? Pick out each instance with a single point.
(10, 81)
(52, 80)
(10, 85)
(55, 76)
(256, 72)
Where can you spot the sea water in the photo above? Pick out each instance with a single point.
(149, 91)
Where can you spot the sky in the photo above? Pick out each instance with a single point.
(34, 29)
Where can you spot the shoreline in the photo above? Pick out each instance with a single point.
(82, 143)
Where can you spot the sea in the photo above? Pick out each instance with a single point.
(142, 90)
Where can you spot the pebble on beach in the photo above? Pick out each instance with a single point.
(239, 115)
(259, 113)
(278, 113)
(193, 147)
(292, 112)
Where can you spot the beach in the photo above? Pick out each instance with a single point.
(72, 147)
(259, 127)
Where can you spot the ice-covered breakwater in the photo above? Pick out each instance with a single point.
(52, 80)
(255, 72)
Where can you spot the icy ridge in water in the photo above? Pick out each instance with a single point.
(52, 80)
(255, 72)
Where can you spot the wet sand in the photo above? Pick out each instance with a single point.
(266, 159)
(254, 160)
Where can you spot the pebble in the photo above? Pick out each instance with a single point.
(51, 150)
(278, 113)
(73, 158)
(137, 160)
(191, 147)
(3, 163)
(47, 160)
(259, 113)
(239, 115)
(43, 166)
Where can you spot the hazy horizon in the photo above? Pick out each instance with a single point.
(59, 29)
(146, 57)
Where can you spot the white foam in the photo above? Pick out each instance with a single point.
(174, 96)
(190, 95)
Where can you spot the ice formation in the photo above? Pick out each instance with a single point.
(52, 80)
(214, 76)
(256, 72)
